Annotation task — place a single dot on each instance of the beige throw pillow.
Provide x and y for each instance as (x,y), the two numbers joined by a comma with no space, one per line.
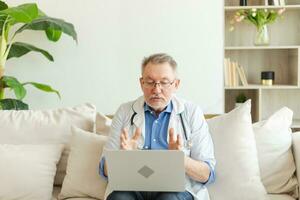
(276,162)
(27,171)
(83,179)
(237,169)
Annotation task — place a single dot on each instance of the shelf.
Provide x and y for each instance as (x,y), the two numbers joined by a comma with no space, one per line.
(259,47)
(257,86)
(234,8)
(282,56)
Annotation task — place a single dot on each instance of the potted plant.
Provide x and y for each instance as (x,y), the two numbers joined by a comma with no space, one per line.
(25,17)
(240,99)
(259,18)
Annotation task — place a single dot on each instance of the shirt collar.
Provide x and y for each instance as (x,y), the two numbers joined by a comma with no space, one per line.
(168,109)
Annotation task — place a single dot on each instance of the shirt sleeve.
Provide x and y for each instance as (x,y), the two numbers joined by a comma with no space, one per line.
(101,169)
(202,145)
(212,175)
(113,141)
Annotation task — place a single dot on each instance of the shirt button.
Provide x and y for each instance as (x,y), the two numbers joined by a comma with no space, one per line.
(154,140)
(156,121)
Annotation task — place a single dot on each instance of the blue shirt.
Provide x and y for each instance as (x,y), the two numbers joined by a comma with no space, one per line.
(156,134)
(156,128)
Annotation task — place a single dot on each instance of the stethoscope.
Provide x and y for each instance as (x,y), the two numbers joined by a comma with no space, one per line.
(188,144)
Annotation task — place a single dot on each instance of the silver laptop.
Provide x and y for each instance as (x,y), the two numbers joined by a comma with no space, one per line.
(146,170)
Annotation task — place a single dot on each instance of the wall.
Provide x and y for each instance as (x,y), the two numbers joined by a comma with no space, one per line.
(113,37)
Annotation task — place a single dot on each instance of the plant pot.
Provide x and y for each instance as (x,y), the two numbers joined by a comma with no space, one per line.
(237,104)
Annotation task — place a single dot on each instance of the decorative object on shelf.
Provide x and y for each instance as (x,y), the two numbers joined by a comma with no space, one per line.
(240,99)
(262,36)
(267,78)
(13,21)
(269,2)
(259,18)
(243,2)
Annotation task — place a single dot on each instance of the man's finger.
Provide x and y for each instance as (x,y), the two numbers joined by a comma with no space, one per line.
(171,135)
(122,137)
(179,140)
(123,145)
(137,134)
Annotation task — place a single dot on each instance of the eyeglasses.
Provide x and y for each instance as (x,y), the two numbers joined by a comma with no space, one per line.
(162,85)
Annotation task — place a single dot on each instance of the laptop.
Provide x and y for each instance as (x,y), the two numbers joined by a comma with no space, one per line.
(146,170)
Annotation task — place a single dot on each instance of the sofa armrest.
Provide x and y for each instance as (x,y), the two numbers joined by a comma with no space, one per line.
(296,152)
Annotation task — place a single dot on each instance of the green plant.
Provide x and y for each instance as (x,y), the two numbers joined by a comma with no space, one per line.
(240,98)
(258,17)
(25,17)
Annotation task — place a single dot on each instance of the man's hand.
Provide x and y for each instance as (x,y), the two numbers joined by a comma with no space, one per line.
(175,143)
(129,144)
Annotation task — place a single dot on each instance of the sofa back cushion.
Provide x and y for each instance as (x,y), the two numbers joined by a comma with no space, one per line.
(237,169)
(46,127)
(276,162)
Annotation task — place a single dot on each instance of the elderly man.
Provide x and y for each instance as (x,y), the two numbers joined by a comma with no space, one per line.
(160,120)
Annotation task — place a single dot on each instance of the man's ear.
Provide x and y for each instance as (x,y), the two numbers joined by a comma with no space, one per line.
(141,82)
(177,83)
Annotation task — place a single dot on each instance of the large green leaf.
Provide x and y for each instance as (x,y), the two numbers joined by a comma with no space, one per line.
(15,85)
(13,104)
(24,13)
(19,49)
(45,23)
(53,34)
(3,5)
(43,87)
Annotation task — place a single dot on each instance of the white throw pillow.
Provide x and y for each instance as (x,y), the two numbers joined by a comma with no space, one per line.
(277,166)
(46,127)
(27,171)
(237,169)
(83,179)
(103,124)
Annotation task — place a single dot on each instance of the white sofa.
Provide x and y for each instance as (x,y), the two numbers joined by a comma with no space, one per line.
(296,153)
(88,113)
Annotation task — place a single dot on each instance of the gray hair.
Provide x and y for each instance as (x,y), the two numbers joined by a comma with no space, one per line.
(159,58)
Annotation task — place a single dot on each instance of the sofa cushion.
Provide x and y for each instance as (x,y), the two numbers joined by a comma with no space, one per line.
(27,171)
(277,166)
(237,168)
(83,179)
(46,127)
(280,197)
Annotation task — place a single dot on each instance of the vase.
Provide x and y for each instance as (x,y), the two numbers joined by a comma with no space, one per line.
(262,36)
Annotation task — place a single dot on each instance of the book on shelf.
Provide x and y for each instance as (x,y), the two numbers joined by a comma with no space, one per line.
(276,2)
(242,75)
(282,2)
(234,74)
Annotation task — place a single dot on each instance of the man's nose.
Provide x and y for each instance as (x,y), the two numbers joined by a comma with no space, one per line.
(157,88)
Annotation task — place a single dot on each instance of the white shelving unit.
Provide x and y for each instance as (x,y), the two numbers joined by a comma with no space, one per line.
(282,56)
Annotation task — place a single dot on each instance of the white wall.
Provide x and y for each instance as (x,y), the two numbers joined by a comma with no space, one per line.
(113,37)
